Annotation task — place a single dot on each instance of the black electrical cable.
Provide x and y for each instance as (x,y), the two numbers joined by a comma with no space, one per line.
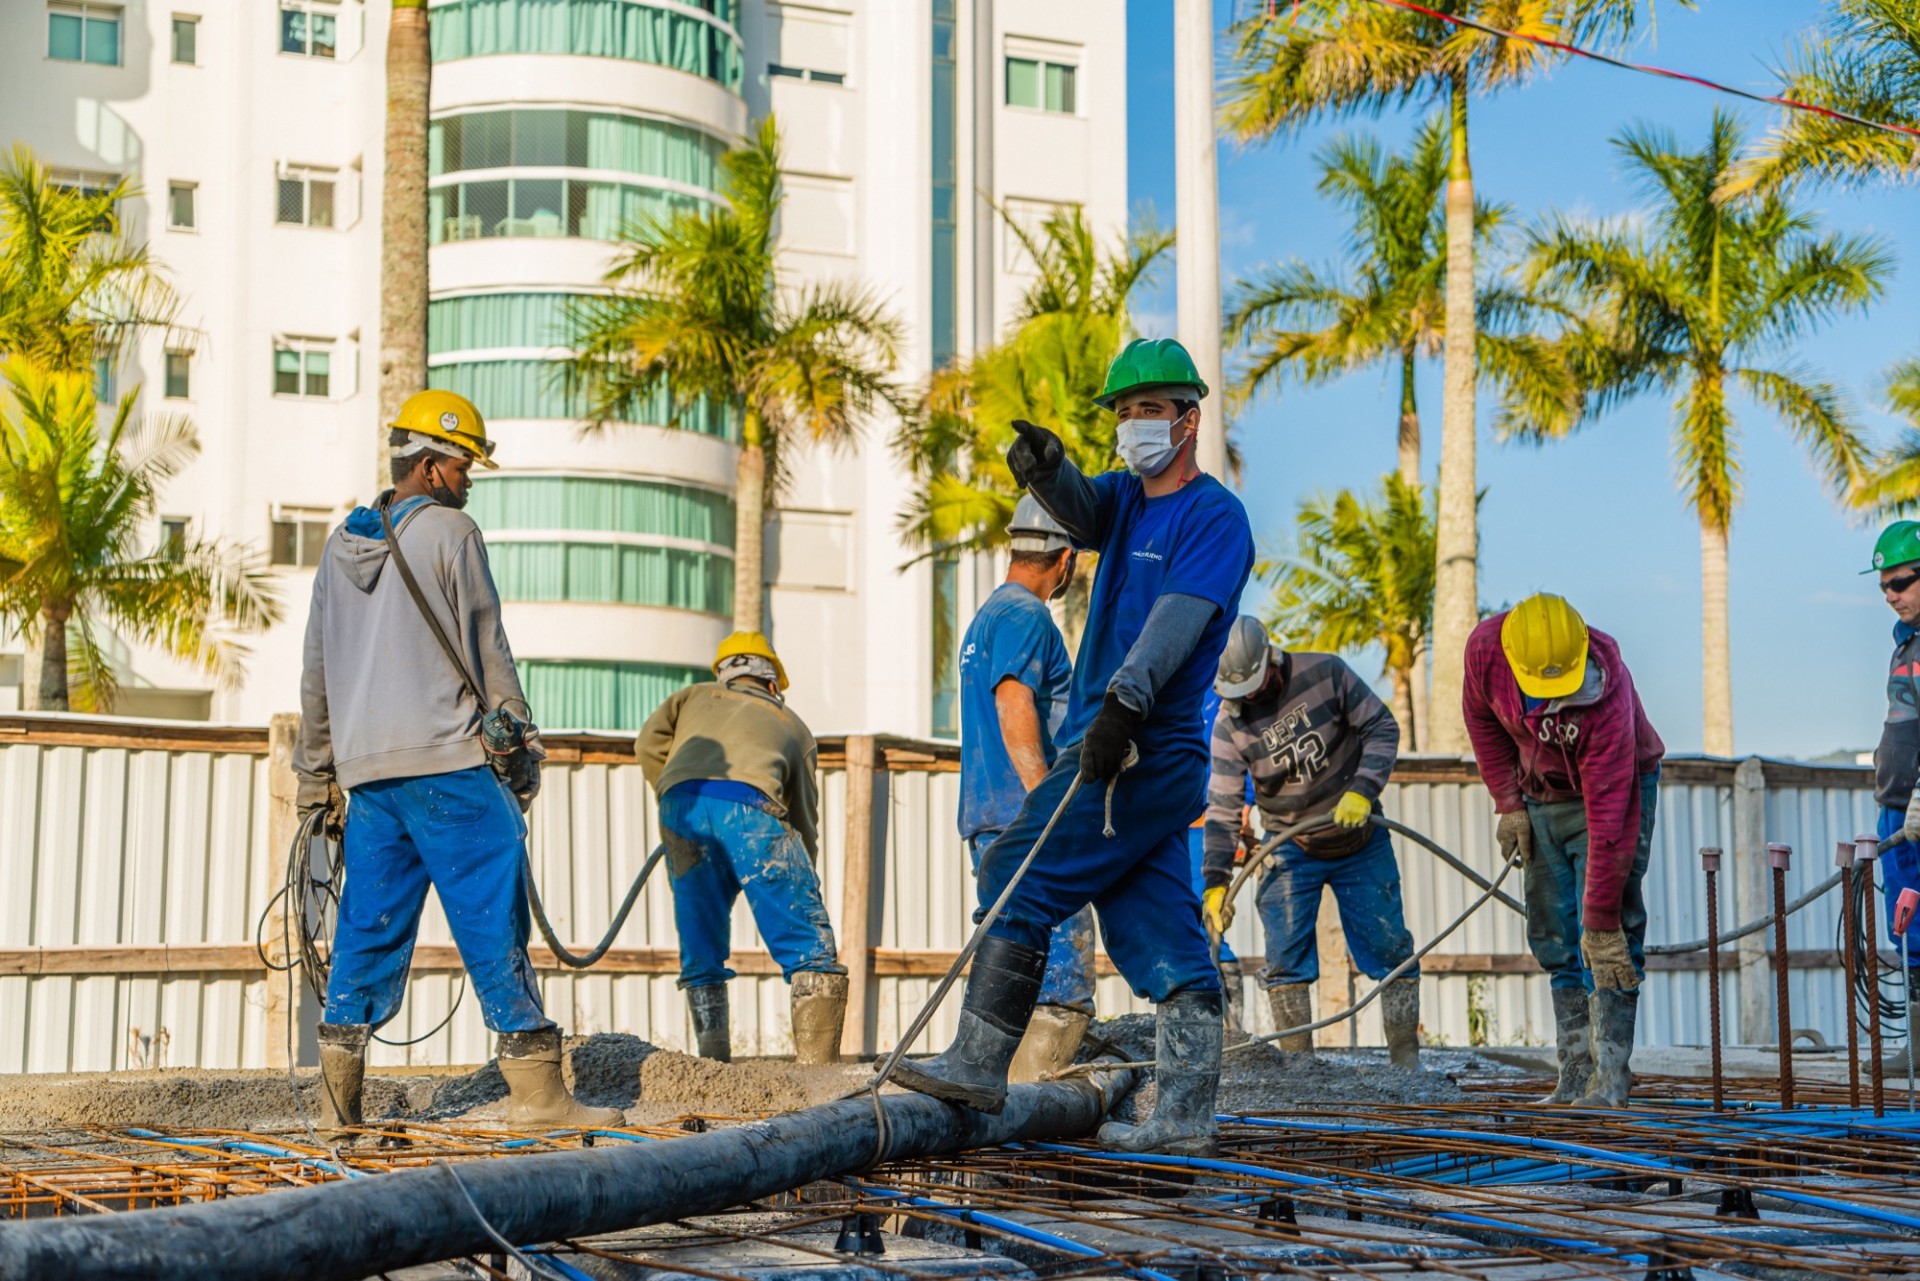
(1871,979)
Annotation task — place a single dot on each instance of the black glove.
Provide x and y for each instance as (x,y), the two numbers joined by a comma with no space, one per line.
(1103,751)
(1035,455)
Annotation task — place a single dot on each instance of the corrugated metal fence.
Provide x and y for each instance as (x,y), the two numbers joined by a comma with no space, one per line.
(137,860)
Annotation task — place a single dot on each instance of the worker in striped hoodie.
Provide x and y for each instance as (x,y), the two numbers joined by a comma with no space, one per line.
(1316,741)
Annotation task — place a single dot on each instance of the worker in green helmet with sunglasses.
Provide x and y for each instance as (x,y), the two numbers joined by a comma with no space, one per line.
(1896,762)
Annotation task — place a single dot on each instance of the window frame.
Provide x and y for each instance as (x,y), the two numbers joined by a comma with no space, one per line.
(185,359)
(190,22)
(305,348)
(192,191)
(328,8)
(87,12)
(303,522)
(1044,67)
(175,533)
(308,176)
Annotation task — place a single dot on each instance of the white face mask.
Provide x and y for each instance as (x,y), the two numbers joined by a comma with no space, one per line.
(1143,445)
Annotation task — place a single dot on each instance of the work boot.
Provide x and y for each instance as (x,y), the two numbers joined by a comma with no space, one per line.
(1052,1039)
(1001,990)
(1613,1015)
(1292,1007)
(1400,1015)
(1186,1074)
(536,1095)
(819,1013)
(712,1032)
(1236,1002)
(1573,1039)
(343,1069)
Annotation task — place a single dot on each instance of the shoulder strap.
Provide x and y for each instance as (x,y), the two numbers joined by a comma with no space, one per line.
(420,600)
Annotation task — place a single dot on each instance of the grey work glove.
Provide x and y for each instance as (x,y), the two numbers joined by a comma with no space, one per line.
(1515,835)
(323,794)
(1910,829)
(1605,952)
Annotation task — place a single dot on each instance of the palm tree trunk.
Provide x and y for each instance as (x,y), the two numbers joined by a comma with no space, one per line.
(403,221)
(1456,605)
(49,687)
(1403,709)
(750,527)
(1409,423)
(1716,647)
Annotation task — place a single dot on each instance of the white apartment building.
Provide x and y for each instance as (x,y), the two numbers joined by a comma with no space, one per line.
(254,130)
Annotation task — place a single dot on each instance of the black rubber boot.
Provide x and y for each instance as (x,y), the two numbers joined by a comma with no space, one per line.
(1614,1015)
(712,1028)
(1573,1038)
(343,1069)
(1190,1027)
(1001,991)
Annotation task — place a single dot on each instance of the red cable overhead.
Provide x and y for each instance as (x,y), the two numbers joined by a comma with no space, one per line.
(1648,70)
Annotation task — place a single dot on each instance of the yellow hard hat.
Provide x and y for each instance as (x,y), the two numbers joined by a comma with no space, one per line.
(1546,643)
(447,416)
(750,643)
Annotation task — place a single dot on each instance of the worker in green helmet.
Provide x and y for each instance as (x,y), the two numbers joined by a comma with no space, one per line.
(1896,761)
(1175,552)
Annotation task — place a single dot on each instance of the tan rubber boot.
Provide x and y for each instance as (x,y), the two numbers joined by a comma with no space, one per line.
(536,1094)
(819,1014)
(1400,1015)
(1292,1007)
(1052,1039)
(343,1070)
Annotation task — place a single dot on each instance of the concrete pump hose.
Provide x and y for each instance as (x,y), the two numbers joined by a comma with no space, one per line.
(567,958)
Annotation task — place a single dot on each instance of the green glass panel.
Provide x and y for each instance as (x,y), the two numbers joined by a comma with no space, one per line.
(64,36)
(609,504)
(1059,88)
(604,696)
(538,389)
(946,637)
(624,29)
(1023,82)
(613,574)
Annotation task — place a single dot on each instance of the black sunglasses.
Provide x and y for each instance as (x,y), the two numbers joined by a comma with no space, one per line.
(1900,584)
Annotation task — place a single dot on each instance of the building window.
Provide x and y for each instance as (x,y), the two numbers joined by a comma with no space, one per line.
(302,367)
(103,376)
(306,197)
(945,283)
(665,34)
(803,73)
(596,695)
(309,29)
(180,206)
(945,721)
(562,138)
(173,538)
(186,41)
(548,207)
(84,33)
(298,536)
(179,369)
(1043,86)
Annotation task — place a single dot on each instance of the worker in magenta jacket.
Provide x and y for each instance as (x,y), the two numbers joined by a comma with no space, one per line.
(1574,768)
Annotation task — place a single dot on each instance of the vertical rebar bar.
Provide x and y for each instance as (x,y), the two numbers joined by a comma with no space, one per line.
(1778,857)
(1710,860)
(1849,935)
(1865,850)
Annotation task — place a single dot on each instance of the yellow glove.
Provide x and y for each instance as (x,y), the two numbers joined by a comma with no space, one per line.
(1353,810)
(1214,910)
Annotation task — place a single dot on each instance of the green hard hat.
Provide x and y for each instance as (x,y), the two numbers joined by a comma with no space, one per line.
(1149,362)
(1899,543)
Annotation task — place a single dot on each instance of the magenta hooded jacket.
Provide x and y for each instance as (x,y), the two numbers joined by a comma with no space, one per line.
(1593,746)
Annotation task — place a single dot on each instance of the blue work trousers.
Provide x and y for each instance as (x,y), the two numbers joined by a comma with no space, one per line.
(1069,977)
(1899,870)
(1366,888)
(462,834)
(718,849)
(1139,880)
(1197,856)
(1556,883)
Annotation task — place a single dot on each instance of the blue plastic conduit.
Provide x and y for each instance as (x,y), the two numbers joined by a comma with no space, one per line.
(221,1143)
(980,1218)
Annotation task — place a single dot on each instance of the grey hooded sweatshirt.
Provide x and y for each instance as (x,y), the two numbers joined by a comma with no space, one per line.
(378,697)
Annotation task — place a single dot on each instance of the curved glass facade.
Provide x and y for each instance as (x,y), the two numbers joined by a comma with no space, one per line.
(543,208)
(609,504)
(482,321)
(613,574)
(539,389)
(666,36)
(595,695)
(566,138)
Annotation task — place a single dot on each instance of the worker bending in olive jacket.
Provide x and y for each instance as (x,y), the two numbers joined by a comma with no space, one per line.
(734,770)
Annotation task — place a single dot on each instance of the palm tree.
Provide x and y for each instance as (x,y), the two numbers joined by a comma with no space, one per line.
(1362,573)
(1319,58)
(403,220)
(74,283)
(1385,302)
(75,500)
(699,310)
(1708,295)
(1892,485)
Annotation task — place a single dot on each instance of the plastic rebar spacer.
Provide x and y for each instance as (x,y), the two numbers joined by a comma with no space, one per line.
(1779,855)
(1904,908)
(1710,856)
(1866,847)
(1843,854)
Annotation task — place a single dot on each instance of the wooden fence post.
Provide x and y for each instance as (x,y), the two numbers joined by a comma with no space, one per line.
(858,897)
(1336,978)
(1752,899)
(283,819)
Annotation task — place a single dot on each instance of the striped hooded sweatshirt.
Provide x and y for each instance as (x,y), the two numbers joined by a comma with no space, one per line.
(1322,734)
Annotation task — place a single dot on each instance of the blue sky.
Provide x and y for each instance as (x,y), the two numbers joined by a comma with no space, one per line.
(1596,518)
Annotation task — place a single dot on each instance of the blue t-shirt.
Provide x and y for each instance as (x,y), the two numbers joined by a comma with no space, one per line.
(1193,542)
(1012,636)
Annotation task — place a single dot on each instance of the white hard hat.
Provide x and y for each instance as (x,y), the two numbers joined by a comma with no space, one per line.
(1243,663)
(1034,529)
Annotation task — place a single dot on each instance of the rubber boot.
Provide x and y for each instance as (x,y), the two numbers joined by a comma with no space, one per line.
(1236,1002)
(1053,1038)
(536,1094)
(1190,1027)
(343,1070)
(712,1030)
(1292,1007)
(1001,992)
(1613,1016)
(1400,1015)
(1573,1038)
(819,1014)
